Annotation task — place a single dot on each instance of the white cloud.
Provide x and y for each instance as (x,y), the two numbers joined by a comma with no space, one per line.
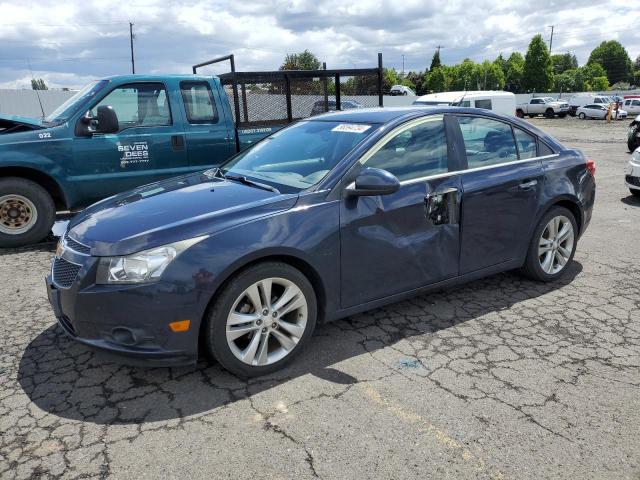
(68,43)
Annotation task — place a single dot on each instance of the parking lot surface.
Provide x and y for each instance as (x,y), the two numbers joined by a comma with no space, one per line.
(500,378)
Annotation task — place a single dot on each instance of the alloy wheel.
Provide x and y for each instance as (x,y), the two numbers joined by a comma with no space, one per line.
(556,245)
(18,214)
(267,321)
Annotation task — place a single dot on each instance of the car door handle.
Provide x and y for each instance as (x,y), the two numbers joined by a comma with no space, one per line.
(528,185)
(177,142)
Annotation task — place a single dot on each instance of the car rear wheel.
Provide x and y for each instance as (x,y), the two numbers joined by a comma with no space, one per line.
(27,212)
(582,116)
(262,319)
(553,245)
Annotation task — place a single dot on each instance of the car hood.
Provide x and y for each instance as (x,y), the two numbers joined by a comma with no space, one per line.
(11,121)
(172,210)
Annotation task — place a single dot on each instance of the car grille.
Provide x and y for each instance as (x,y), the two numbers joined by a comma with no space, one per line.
(632,180)
(76,246)
(64,272)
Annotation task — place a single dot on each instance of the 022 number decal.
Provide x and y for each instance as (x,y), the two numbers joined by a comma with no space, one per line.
(45,135)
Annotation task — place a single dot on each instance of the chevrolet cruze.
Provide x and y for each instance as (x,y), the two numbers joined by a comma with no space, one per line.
(331,216)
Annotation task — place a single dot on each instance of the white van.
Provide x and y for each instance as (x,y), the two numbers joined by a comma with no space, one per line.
(498,101)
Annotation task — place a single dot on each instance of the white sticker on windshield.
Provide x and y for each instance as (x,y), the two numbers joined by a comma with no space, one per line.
(351,128)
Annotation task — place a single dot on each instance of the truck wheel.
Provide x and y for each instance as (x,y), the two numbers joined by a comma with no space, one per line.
(27,212)
(549,113)
(519,113)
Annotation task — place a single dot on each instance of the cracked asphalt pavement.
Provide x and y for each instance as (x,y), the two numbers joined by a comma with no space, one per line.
(500,378)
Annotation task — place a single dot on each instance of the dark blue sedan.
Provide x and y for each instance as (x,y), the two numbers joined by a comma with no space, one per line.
(329,217)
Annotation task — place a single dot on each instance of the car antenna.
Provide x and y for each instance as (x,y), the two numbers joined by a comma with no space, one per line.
(37,92)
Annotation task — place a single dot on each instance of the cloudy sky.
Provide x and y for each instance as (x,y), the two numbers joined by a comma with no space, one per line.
(71,42)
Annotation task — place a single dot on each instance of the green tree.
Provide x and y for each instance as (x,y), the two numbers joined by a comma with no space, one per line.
(416,79)
(436,80)
(563,62)
(502,63)
(615,60)
(300,61)
(435,61)
(38,84)
(636,65)
(515,70)
(599,83)
(565,81)
(488,76)
(462,76)
(538,69)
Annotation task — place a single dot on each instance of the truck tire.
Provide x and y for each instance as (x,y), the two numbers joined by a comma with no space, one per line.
(519,113)
(27,212)
(549,113)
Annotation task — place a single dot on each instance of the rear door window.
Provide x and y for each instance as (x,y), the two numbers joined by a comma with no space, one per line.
(487,142)
(526,144)
(198,102)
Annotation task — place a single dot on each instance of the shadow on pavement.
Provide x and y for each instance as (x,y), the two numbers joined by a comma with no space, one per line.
(66,379)
(631,200)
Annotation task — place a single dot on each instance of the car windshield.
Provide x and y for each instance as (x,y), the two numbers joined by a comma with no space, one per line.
(68,108)
(299,156)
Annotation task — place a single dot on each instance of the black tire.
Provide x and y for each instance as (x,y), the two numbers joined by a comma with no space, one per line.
(635,193)
(633,141)
(532,267)
(549,113)
(44,207)
(519,113)
(215,328)
(562,115)
(582,116)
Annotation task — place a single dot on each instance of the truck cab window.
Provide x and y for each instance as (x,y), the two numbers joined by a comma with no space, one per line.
(198,102)
(139,105)
(484,103)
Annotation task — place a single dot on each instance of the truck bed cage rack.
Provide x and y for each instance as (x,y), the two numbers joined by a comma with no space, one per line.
(259,98)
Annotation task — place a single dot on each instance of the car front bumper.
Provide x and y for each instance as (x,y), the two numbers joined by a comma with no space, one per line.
(632,172)
(128,325)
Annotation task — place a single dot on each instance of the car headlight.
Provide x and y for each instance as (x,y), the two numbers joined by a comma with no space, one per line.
(142,267)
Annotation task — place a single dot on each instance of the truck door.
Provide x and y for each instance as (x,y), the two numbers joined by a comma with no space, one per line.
(209,141)
(147,147)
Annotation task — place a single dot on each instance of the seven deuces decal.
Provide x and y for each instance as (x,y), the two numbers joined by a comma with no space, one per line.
(133,154)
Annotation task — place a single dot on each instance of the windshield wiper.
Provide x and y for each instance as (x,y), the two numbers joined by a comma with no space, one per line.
(215,172)
(244,180)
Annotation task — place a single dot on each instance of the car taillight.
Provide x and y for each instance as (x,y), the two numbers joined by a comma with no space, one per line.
(591,168)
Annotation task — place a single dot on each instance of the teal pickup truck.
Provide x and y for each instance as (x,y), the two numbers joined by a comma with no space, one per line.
(124,131)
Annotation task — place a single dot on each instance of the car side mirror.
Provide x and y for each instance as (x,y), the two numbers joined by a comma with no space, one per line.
(373,181)
(107,120)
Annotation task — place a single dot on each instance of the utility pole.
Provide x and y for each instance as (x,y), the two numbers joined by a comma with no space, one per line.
(133,62)
(551,39)
(403,65)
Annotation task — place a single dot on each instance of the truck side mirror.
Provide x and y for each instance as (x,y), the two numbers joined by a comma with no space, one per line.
(107,120)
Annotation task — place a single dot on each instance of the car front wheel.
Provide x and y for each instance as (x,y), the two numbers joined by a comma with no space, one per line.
(553,245)
(262,319)
(582,116)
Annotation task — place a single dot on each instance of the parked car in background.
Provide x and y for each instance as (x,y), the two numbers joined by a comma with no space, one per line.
(599,111)
(330,106)
(496,101)
(633,134)
(632,105)
(547,106)
(401,90)
(632,173)
(334,215)
(581,100)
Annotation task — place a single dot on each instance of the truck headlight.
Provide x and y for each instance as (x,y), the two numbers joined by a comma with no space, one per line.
(142,267)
